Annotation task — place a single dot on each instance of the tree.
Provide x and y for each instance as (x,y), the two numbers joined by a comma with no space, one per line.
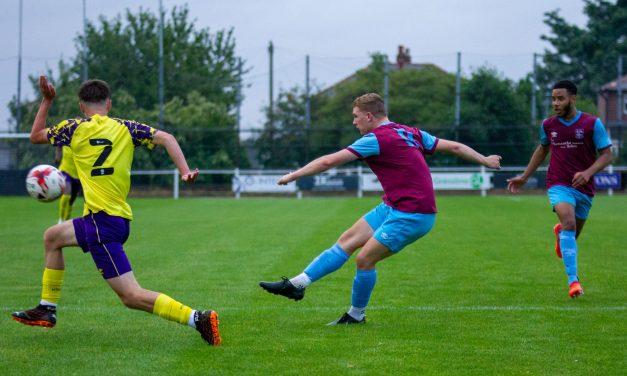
(588,55)
(495,116)
(201,77)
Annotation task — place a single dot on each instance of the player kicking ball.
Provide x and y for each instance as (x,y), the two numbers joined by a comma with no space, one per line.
(103,152)
(396,154)
(579,148)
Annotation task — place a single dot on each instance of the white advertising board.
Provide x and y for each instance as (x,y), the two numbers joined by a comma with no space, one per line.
(442,181)
(260,184)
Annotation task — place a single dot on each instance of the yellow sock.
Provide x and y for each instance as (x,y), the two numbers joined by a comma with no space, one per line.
(65,210)
(172,310)
(51,285)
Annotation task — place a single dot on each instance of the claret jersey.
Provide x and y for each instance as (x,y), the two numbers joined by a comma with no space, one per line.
(574,146)
(103,150)
(395,153)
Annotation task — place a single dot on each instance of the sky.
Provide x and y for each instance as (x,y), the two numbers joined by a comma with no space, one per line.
(337,35)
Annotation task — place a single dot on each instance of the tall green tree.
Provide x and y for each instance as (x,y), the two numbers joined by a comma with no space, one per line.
(588,56)
(201,78)
(495,116)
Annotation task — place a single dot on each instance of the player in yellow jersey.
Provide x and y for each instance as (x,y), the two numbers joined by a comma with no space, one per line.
(63,156)
(103,151)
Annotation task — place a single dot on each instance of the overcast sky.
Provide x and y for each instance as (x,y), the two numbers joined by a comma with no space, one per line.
(338,35)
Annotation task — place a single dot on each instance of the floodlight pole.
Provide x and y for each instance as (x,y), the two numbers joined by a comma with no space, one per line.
(271,84)
(160,63)
(307,108)
(534,79)
(238,118)
(18,117)
(620,105)
(386,74)
(85,68)
(458,95)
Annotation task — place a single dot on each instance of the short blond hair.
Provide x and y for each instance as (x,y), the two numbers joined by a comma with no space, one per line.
(372,103)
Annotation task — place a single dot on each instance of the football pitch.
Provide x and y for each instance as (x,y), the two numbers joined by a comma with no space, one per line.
(482,294)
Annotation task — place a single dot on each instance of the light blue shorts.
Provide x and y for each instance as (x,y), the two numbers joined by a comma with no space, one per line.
(581,201)
(396,229)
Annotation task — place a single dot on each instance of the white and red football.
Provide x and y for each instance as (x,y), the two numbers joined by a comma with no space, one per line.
(45,183)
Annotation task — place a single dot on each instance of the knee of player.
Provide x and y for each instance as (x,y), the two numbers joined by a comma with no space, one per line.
(51,238)
(363,262)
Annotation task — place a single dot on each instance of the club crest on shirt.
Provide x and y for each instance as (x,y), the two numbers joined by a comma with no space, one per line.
(579,133)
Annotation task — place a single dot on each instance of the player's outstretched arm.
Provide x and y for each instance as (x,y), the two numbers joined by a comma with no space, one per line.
(176,154)
(468,153)
(319,165)
(38,133)
(514,184)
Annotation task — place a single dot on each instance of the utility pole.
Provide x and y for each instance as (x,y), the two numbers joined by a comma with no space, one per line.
(458,79)
(238,119)
(161,64)
(307,109)
(620,104)
(18,117)
(533,91)
(386,74)
(85,68)
(271,84)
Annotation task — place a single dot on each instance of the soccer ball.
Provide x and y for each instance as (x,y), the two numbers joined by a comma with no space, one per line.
(45,183)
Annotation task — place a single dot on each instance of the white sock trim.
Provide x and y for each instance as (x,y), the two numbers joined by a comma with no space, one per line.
(191,321)
(357,313)
(45,302)
(301,281)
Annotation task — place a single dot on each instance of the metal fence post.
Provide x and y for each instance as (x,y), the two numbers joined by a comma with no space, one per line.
(175,184)
(237,183)
(484,192)
(360,191)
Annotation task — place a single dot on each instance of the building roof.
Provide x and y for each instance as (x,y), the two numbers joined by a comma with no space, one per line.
(612,85)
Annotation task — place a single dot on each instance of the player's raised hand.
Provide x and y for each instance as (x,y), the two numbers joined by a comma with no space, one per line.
(190,177)
(494,161)
(46,88)
(514,184)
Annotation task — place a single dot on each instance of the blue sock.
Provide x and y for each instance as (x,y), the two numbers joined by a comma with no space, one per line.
(568,244)
(327,262)
(363,284)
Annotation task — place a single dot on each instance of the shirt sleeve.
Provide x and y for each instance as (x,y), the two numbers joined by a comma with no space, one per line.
(599,136)
(544,141)
(61,134)
(428,141)
(141,134)
(365,147)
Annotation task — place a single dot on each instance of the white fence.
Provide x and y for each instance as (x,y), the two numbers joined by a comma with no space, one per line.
(352,179)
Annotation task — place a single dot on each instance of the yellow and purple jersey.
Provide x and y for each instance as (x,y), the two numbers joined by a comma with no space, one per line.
(103,150)
(67,163)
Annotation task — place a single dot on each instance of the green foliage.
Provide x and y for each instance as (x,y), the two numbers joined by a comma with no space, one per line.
(470,298)
(494,116)
(284,139)
(494,119)
(587,55)
(201,79)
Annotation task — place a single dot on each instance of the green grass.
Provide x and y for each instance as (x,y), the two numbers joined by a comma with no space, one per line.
(482,294)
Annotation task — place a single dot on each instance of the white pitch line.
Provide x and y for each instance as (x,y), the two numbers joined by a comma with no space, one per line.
(296,308)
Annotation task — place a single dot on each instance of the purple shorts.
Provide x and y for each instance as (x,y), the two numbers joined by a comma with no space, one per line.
(72,186)
(103,236)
